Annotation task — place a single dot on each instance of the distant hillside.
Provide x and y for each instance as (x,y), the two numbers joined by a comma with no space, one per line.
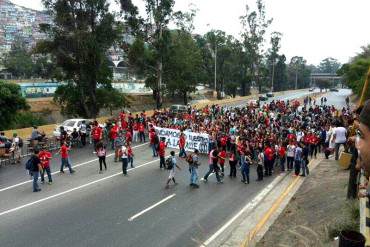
(18,21)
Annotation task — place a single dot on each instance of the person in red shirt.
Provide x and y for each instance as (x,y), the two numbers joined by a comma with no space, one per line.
(113,134)
(161,151)
(314,141)
(97,134)
(128,136)
(45,157)
(130,155)
(282,156)
(269,159)
(222,158)
(142,132)
(182,141)
(135,128)
(65,158)
(153,141)
(223,142)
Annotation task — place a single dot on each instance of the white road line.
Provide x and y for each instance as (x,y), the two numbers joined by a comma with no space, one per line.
(73,189)
(256,200)
(65,169)
(151,207)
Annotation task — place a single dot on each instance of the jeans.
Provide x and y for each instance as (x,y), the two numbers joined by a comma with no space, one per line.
(337,146)
(213,168)
(142,136)
(48,172)
(268,167)
(245,172)
(313,150)
(101,162)
(282,164)
(162,162)
(35,179)
(124,165)
(135,136)
(290,161)
(182,152)
(193,175)
(297,166)
(154,149)
(232,168)
(304,168)
(65,162)
(130,160)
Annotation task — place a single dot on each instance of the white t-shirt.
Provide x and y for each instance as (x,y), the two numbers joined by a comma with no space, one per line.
(340,135)
(124,152)
(290,150)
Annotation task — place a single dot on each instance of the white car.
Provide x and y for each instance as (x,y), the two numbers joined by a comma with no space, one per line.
(69,125)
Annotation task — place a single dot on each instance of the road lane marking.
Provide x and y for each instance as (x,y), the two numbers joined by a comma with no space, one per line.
(151,207)
(257,199)
(65,169)
(73,189)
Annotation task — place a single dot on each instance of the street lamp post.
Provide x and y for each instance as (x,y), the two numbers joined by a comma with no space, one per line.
(273,73)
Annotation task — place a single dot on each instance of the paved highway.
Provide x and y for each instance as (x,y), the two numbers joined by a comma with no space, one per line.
(91,209)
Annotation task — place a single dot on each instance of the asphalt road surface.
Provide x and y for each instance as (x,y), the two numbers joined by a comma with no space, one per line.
(91,209)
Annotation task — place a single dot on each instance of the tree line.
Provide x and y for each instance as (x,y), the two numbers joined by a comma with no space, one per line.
(173,61)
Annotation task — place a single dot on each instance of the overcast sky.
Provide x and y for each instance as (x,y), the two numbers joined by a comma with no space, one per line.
(314,29)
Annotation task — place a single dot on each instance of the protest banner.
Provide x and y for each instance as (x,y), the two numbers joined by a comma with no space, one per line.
(193,140)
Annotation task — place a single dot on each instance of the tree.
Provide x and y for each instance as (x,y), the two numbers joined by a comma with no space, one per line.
(273,54)
(354,74)
(281,77)
(254,25)
(11,102)
(298,72)
(18,61)
(79,38)
(182,68)
(152,38)
(329,65)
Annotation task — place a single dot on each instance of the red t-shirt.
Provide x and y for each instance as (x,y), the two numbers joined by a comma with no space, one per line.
(161,149)
(135,127)
(223,141)
(151,137)
(64,151)
(141,127)
(114,132)
(128,136)
(130,153)
(282,151)
(269,153)
(182,142)
(45,157)
(97,132)
(222,157)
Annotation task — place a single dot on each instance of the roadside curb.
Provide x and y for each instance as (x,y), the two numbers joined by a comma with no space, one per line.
(255,218)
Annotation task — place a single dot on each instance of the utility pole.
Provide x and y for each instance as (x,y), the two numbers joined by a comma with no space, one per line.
(215,67)
(273,73)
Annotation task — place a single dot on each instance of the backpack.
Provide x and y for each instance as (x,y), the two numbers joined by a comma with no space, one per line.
(189,159)
(29,163)
(20,143)
(169,163)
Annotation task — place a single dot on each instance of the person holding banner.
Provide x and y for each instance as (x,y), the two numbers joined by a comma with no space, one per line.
(182,141)
(161,151)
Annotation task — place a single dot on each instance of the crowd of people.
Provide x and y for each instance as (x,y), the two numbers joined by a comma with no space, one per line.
(280,135)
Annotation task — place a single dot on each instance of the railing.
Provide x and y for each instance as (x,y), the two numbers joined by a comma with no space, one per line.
(364,213)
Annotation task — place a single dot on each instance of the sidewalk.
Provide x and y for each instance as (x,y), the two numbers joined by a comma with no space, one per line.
(317,212)
(299,211)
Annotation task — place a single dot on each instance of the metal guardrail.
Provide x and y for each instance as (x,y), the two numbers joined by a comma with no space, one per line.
(51,144)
